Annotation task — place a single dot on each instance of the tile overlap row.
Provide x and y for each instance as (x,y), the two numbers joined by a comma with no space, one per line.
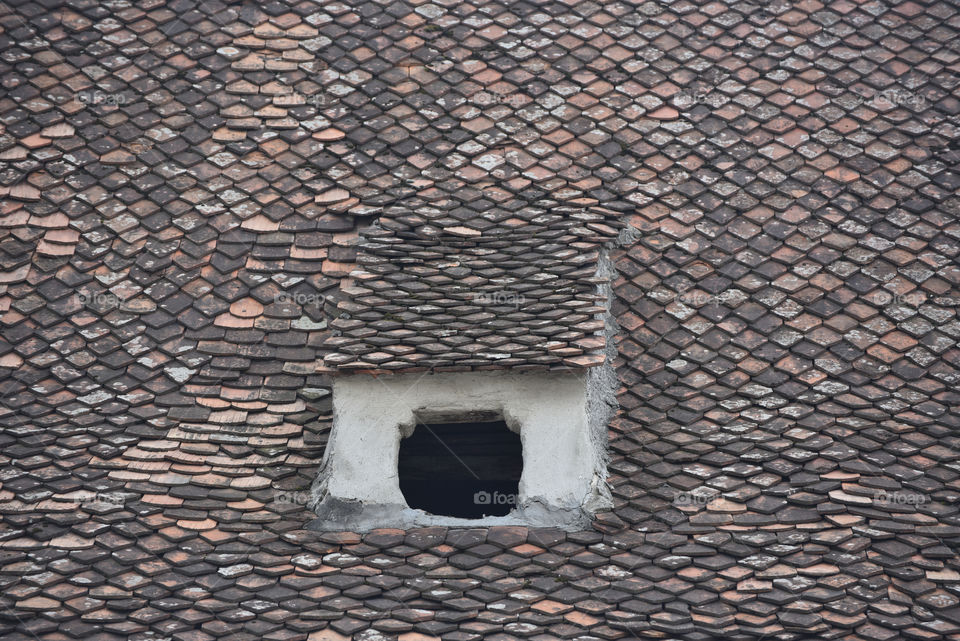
(204,206)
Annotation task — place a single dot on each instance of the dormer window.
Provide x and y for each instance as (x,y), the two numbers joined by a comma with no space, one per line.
(472,378)
(465,448)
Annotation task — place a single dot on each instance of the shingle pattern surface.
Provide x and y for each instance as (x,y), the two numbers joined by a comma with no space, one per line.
(431,292)
(184,189)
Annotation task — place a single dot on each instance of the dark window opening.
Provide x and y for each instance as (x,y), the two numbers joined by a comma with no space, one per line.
(462,470)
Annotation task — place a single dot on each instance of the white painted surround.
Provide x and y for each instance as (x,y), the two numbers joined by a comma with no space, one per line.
(561,419)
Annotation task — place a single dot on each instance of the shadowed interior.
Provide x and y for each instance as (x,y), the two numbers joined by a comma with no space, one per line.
(462,470)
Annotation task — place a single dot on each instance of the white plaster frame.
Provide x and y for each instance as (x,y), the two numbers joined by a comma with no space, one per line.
(561,418)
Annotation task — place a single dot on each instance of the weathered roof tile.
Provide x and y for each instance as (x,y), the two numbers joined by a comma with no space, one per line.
(190,195)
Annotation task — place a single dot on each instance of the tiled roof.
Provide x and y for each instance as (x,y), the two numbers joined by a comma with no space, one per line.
(473,287)
(184,190)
